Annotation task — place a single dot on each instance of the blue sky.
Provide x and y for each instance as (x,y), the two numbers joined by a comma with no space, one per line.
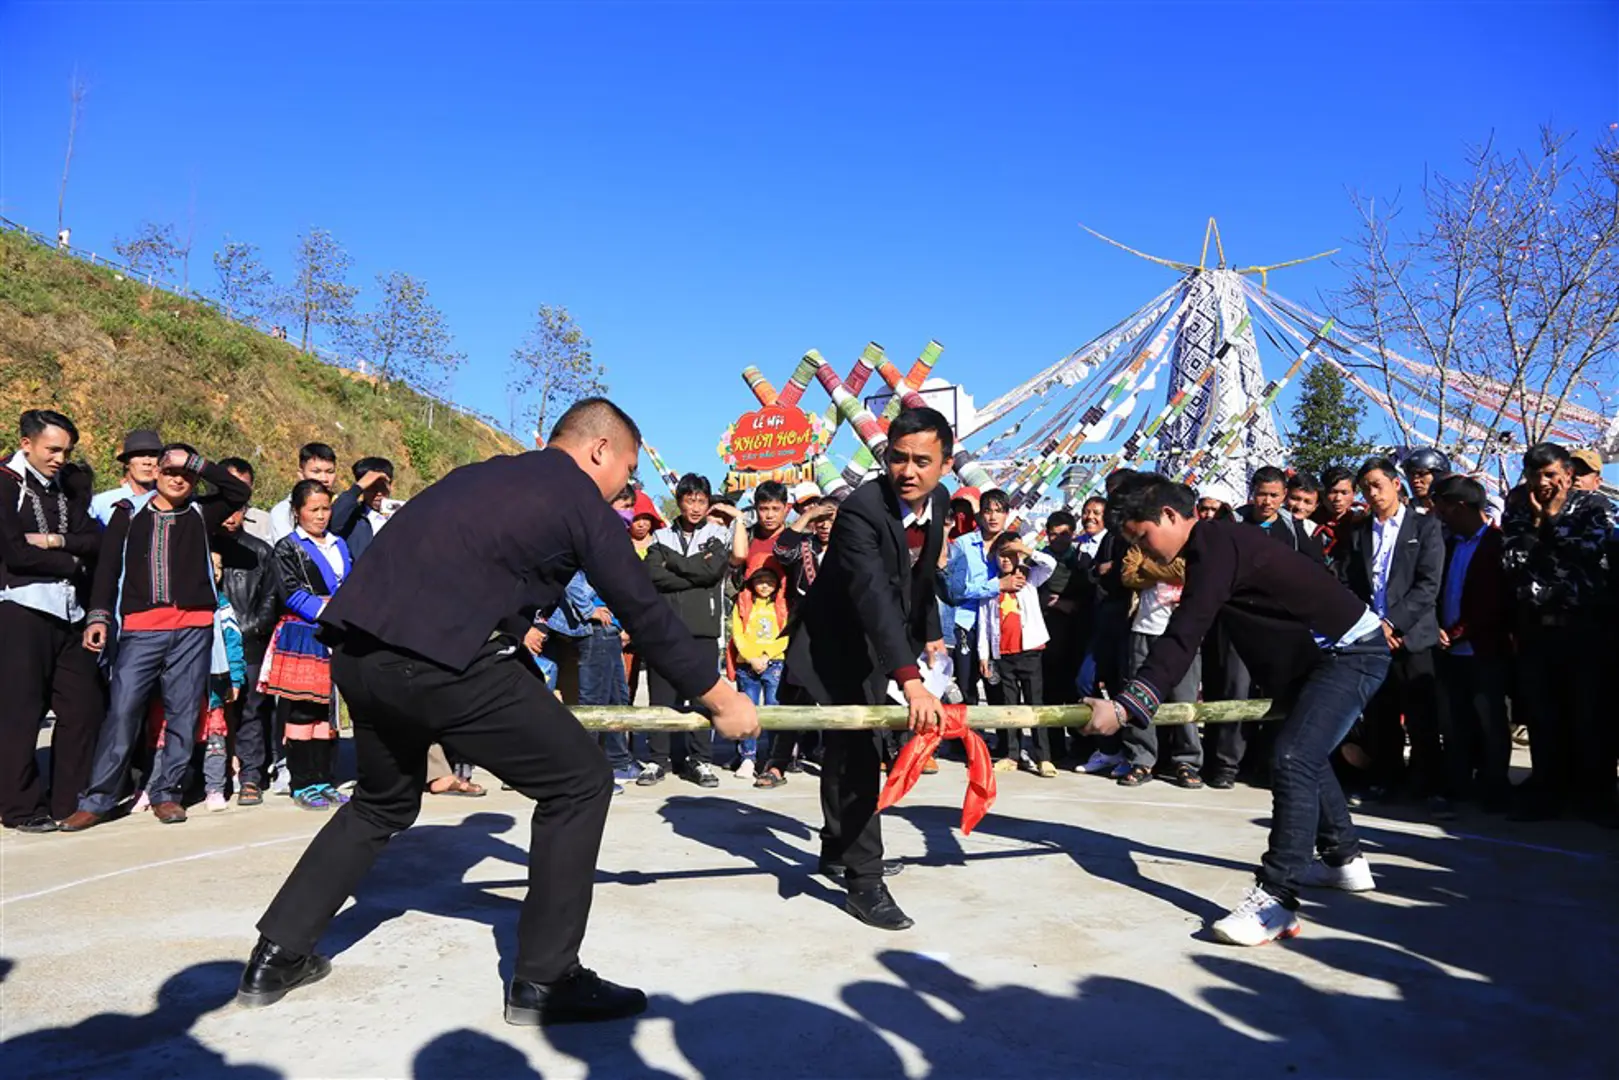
(707,186)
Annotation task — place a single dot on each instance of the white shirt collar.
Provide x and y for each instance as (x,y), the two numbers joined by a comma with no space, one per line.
(20,464)
(319,541)
(1395,522)
(909,517)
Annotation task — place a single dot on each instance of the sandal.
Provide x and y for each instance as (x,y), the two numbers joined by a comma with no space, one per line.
(770,778)
(465,789)
(249,795)
(1184,776)
(1138,775)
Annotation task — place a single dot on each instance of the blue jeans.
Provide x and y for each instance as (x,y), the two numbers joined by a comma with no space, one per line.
(1308,812)
(602,682)
(174,663)
(761,690)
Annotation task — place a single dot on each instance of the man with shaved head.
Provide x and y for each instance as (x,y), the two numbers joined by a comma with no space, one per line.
(427,636)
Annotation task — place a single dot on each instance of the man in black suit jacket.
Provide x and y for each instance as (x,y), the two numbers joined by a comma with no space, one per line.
(352,510)
(1396,563)
(427,634)
(867,620)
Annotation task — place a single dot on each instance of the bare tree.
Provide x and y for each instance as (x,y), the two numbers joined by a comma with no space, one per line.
(76,91)
(245,286)
(319,295)
(150,252)
(191,235)
(1496,319)
(405,338)
(553,367)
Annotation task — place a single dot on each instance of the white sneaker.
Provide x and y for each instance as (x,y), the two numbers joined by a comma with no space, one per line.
(1353,876)
(143,803)
(280,779)
(745,770)
(1258,920)
(1100,763)
(216,801)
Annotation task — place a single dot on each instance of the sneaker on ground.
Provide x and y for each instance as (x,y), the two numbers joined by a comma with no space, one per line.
(627,775)
(216,801)
(745,771)
(1353,876)
(1006,764)
(1100,763)
(143,803)
(280,783)
(1046,769)
(652,774)
(1258,920)
(311,798)
(702,774)
(333,795)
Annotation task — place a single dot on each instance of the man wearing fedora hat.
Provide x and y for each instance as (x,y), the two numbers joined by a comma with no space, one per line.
(139,456)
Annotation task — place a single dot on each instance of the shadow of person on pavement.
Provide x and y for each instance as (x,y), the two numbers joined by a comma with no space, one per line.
(464,1052)
(1111,858)
(154,1043)
(754,835)
(748,1034)
(424,869)
(966,1029)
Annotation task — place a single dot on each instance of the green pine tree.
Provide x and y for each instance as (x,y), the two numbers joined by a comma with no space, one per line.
(1326,422)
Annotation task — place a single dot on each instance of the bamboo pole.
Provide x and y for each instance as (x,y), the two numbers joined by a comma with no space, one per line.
(861,717)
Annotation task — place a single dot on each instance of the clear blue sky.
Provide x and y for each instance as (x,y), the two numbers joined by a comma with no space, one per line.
(707,186)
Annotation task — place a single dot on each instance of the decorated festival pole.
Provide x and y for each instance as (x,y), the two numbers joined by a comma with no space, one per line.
(863,717)
(905,395)
(799,380)
(1226,444)
(1140,446)
(670,478)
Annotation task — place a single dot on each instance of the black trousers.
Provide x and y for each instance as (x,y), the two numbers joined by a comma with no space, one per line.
(498,714)
(660,744)
(850,777)
(1473,725)
(1572,743)
(1022,683)
(1225,678)
(1411,691)
(44,666)
(250,718)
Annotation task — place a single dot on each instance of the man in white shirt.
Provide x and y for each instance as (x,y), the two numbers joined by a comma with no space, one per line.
(139,456)
(316,461)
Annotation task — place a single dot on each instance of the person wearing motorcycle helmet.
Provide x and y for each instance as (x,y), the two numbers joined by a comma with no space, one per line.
(1422,467)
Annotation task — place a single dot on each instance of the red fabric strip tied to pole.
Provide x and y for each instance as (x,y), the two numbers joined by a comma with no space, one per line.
(907,768)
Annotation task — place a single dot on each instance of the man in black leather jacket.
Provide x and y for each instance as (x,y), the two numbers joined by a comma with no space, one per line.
(249,581)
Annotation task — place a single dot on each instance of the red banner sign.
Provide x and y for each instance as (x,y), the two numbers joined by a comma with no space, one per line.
(772,437)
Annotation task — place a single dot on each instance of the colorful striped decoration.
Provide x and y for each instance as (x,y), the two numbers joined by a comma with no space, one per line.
(798,382)
(759,385)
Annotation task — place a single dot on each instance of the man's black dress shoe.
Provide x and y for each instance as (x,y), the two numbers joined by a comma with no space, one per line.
(874,906)
(579,997)
(840,873)
(272,971)
(39,823)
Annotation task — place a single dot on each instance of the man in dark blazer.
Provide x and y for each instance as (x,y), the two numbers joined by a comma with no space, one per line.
(1475,647)
(427,636)
(356,513)
(1395,563)
(866,622)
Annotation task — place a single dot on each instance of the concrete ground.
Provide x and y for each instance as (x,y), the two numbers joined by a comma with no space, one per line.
(1063,938)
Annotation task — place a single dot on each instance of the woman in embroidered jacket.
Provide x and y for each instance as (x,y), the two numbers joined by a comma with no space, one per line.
(310,565)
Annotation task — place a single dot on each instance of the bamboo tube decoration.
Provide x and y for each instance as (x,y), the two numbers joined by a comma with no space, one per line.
(871,358)
(849,406)
(670,479)
(828,479)
(759,385)
(970,473)
(799,380)
(864,717)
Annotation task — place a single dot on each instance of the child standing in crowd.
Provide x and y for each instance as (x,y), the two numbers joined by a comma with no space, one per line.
(310,565)
(1011,638)
(757,645)
(227,675)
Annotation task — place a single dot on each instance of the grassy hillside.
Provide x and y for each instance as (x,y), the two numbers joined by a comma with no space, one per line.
(114,355)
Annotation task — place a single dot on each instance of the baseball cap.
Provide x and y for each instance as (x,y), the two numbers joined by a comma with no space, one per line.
(802,493)
(1587,457)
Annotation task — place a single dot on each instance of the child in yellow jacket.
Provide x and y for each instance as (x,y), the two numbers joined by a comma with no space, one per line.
(757,644)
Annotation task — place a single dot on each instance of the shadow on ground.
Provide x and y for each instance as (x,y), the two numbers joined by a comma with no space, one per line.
(1497,961)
